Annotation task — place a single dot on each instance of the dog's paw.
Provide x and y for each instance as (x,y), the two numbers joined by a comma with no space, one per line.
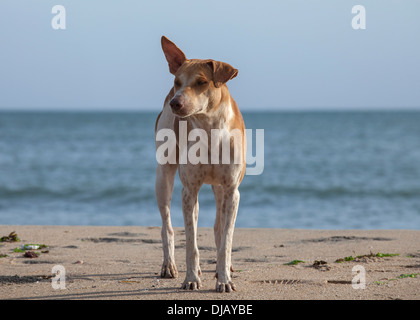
(192,281)
(169,270)
(231,270)
(225,287)
(191,285)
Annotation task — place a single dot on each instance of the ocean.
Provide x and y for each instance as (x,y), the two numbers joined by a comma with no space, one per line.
(322,170)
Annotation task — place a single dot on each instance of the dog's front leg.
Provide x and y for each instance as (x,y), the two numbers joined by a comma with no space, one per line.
(190,209)
(165,175)
(230,208)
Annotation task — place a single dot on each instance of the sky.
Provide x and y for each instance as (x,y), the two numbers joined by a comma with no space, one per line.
(291,54)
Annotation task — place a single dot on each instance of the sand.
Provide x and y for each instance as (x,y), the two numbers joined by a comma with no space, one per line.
(124,263)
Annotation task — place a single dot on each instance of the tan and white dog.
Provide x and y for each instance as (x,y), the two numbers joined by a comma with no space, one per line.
(200,99)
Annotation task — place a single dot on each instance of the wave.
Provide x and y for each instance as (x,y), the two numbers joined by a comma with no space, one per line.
(30,191)
(141,193)
(334,191)
(82,194)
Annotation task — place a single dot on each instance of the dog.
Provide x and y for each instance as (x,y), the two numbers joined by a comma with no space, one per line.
(200,99)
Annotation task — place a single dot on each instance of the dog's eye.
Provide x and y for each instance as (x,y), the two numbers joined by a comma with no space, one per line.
(177,83)
(201,82)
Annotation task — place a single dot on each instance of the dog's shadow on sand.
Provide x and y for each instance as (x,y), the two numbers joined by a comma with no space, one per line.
(131,279)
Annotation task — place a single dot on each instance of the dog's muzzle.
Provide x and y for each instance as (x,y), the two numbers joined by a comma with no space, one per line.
(177,103)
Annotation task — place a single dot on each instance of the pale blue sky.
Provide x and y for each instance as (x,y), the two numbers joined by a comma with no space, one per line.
(291,54)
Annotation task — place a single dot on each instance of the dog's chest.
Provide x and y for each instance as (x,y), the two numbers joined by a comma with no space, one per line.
(195,175)
(207,153)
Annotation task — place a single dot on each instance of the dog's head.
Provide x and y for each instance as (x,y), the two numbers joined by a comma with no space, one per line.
(198,83)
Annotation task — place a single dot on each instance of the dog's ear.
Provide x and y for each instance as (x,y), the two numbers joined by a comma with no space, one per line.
(222,72)
(173,54)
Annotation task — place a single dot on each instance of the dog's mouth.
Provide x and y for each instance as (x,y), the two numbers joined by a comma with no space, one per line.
(181,114)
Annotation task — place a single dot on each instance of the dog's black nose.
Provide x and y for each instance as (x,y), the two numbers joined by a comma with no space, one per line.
(177,103)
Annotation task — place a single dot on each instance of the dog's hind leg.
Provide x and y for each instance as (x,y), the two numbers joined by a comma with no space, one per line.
(190,209)
(224,262)
(219,222)
(165,176)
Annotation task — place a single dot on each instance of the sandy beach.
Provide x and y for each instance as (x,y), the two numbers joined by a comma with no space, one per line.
(124,263)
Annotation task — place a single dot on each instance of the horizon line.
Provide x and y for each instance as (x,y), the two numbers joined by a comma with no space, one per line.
(245,110)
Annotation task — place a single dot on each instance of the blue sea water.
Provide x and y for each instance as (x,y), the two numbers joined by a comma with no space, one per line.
(322,170)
